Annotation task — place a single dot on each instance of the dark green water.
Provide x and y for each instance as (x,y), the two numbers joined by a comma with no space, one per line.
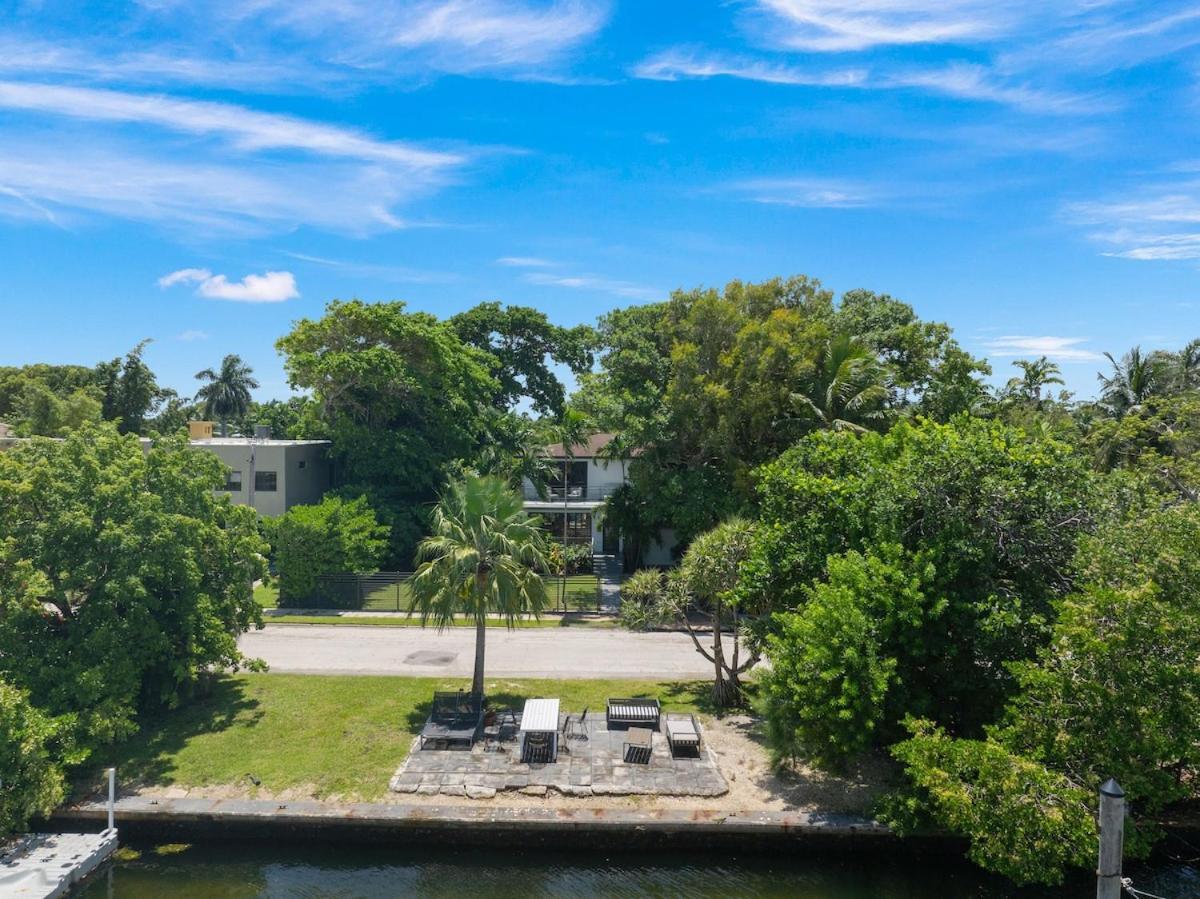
(241,871)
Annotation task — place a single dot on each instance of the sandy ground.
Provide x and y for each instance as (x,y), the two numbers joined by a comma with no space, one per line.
(743,760)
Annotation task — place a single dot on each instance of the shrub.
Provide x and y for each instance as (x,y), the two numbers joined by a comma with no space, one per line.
(336,536)
(31,781)
(642,596)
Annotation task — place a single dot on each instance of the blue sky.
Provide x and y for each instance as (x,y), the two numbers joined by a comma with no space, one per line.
(206,172)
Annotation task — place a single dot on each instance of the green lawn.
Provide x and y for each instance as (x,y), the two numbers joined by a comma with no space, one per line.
(582,594)
(329,735)
(394,621)
(267,595)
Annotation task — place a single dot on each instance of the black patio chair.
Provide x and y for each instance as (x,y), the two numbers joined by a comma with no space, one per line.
(578,730)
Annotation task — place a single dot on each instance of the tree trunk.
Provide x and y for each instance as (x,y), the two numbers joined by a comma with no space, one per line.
(480,644)
(718,657)
(223,434)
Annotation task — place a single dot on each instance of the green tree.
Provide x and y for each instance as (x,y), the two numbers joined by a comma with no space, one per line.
(993,512)
(1133,380)
(1113,692)
(226,393)
(1036,376)
(31,775)
(130,391)
(1023,820)
(403,400)
(482,557)
(846,390)
(524,345)
(123,577)
(335,536)
(708,575)
(846,667)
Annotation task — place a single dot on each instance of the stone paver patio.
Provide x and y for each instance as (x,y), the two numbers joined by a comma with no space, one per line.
(591,767)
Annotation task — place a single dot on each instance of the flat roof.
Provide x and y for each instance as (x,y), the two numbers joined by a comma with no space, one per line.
(246,441)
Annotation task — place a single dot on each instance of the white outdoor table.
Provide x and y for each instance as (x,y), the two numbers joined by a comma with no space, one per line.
(541,717)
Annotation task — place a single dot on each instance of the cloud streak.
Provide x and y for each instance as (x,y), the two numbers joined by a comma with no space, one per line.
(269,287)
(1155,223)
(1057,349)
(626,289)
(812,193)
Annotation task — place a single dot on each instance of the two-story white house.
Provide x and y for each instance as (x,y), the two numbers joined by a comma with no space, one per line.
(590,479)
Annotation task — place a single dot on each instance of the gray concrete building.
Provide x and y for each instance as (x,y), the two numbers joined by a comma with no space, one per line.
(272,475)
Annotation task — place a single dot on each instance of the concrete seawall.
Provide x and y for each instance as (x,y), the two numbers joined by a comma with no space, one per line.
(187,819)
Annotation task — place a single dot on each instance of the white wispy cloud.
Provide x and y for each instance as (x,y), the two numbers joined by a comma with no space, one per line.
(220,165)
(681,62)
(1155,222)
(842,25)
(826,193)
(192,336)
(595,283)
(456,36)
(374,270)
(269,287)
(524,262)
(1057,349)
(959,80)
(247,129)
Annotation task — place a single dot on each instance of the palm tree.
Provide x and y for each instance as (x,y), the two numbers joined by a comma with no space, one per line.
(483,557)
(618,449)
(517,452)
(1036,375)
(227,393)
(1188,365)
(848,387)
(1133,380)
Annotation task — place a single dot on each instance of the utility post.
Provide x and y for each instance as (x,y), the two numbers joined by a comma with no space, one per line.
(1112,839)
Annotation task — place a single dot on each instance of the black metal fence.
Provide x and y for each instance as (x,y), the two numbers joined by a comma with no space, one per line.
(389,591)
(383,591)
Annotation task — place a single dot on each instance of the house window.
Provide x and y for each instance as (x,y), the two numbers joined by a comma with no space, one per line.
(233,482)
(579,526)
(302,464)
(577,479)
(264,481)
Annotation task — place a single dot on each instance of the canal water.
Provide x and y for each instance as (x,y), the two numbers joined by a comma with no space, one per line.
(305,871)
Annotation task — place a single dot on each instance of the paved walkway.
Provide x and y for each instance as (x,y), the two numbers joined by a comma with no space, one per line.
(608,572)
(529,652)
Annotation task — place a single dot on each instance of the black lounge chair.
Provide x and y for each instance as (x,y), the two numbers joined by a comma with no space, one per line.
(454,718)
(683,734)
(623,714)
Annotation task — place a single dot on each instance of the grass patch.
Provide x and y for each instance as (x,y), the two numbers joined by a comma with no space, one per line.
(267,595)
(332,735)
(394,621)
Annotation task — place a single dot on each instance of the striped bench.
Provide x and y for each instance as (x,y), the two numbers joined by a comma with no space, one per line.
(627,713)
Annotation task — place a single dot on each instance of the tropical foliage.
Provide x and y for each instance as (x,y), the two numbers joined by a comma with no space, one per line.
(226,392)
(124,580)
(482,558)
(335,536)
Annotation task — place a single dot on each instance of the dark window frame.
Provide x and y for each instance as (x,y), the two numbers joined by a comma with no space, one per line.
(260,482)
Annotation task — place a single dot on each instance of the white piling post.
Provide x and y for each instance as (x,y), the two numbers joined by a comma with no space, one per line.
(1112,838)
(112,795)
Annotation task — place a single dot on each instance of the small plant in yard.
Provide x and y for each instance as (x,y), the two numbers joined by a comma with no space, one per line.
(642,596)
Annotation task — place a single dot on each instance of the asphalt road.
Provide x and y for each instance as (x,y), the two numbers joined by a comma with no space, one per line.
(531,652)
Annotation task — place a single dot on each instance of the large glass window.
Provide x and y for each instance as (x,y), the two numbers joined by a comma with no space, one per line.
(264,481)
(579,526)
(233,482)
(577,480)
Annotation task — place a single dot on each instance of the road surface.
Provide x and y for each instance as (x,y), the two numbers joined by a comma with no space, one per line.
(529,652)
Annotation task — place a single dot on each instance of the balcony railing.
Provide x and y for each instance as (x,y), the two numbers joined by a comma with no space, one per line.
(572,493)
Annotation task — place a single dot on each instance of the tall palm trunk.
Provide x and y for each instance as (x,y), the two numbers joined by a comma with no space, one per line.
(480,642)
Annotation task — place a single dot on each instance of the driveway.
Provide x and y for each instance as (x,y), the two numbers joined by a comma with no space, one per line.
(531,652)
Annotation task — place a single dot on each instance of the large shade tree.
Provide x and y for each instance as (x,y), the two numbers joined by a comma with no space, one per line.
(482,558)
(226,393)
